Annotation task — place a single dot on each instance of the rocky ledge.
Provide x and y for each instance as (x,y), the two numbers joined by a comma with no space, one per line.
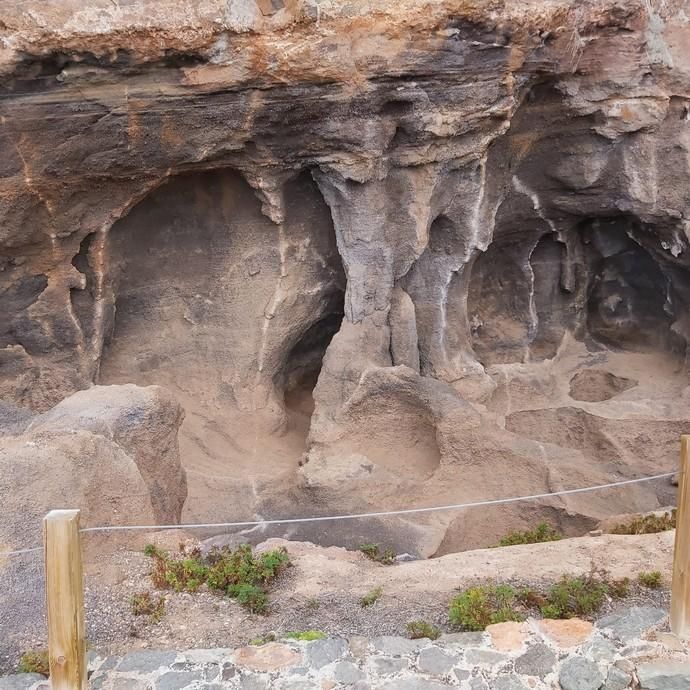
(627,649)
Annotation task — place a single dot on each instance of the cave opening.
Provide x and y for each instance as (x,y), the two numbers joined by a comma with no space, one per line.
(228,310)
(629,302)
(300,373)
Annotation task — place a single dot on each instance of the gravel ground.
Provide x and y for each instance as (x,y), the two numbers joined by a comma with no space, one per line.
(206,620)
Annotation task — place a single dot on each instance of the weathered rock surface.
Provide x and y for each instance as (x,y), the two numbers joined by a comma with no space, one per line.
(112,453)
(436,250)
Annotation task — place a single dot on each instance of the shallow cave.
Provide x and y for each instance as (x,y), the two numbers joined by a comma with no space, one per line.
(297,379)
(629,303)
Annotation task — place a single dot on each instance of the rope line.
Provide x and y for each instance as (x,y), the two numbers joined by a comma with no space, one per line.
(385,513)
(20,551)
(357,516)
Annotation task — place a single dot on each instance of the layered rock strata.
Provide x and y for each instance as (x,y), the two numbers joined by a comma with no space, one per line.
(434,251)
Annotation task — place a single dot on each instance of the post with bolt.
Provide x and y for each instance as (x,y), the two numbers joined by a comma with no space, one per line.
(680,589)
(65,600)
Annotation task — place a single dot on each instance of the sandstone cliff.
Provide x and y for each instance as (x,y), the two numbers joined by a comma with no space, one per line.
(377,237)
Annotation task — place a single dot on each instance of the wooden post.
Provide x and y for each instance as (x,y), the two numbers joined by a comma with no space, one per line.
(65,600)
(680,589)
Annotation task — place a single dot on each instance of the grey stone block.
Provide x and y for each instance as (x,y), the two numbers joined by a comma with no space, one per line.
(320,653)
(177,680)
(538,660)
(509,681)
(632,623)
(664,675)
(436,662)
(347,673)
(413,684)
(253,682)
(145,661)
(486,657)
(388,666)
(397,646)
(617,679)
(578,673)
(20,681)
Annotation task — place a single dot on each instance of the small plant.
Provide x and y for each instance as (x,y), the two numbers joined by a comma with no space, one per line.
(144,604)
(483,605)
(313,604)
(541,533)
(372,551)
(258,641)
(238,573)
(651,579)
(530,598)
(305,635)
(619,589)
(371,597)
(647,524)
(421,629)
(34,661)
(575,596)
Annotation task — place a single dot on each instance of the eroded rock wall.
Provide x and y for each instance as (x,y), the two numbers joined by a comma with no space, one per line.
(433,214)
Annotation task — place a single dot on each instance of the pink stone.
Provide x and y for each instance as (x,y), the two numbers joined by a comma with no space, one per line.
(508,637)
(566,633)
(268,657)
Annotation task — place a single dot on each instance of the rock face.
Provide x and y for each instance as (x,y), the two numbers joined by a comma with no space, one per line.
(410,243)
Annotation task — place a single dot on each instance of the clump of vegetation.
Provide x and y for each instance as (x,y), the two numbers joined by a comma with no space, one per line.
(421,629)
(619,589)
(145,604)
(575,596)
(34,661)
(305,635)
(477,607)
(238,573)
(374,552)
(313,604)
(651,579)
(371,597)
(647,524)
(258,641)
(541,533)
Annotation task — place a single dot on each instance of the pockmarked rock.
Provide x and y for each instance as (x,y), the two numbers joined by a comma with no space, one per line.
(539,660)
(578,673)
(664,675)
(632,623)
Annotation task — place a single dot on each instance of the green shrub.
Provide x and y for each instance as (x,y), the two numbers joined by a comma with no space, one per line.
(619,589)
(34,661)
(372,551)
(421,629)
(541,533)
(647,524)
(305,635)
(258,641)
(574,596)
(238,573)
(483,605)
(651,579)
(144,604)
(371,597)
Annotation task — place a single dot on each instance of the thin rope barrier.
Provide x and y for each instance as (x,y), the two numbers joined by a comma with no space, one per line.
(385,513)
(20,551)
(357,516)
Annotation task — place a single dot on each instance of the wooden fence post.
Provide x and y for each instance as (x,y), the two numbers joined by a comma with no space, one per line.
(680,589)
(65,600)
